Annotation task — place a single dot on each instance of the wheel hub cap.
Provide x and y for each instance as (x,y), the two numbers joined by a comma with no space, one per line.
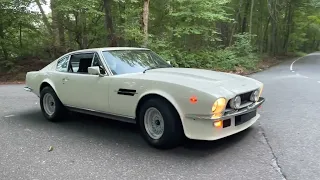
(153,123)
(49,104)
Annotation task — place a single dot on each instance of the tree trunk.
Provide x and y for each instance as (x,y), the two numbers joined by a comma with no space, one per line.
(250,23)
(20,35)
(239,18)
(266,37)
(273,14)
(288,27)
(145,20)
(70,36)
(237,23)
(261,38)
(44,17)
(84,32)
(244,20)
(3,47)
(122,9)
(55,30)
(62,40)
(110,33)
(273,37)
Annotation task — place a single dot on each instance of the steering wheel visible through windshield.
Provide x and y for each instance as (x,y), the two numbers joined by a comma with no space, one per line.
(132,61)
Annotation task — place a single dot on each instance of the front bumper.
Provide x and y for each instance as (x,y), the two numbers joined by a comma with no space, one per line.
(201,126)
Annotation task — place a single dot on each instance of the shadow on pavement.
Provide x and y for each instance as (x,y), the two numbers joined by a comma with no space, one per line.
(116,133)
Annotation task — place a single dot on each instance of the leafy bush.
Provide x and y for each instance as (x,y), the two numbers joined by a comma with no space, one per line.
(240,54)
(242,45)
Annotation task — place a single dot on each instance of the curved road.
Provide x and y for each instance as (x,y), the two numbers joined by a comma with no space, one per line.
(284,144)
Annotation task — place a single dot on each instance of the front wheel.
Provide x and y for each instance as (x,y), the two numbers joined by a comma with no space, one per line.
(160,124)
(51,106)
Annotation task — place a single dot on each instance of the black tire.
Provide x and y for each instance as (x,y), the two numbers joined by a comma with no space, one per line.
(173,131)
(59,111)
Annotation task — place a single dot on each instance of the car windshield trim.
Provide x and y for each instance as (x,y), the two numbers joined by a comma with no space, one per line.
(133,61)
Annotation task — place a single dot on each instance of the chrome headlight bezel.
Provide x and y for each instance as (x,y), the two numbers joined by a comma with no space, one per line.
(235,102)
(254,97)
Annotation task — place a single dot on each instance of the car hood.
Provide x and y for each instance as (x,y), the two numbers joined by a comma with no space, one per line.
(213,82)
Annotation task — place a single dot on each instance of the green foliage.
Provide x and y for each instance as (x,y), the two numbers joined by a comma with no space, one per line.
(242,44)
(190,33)
(300,54)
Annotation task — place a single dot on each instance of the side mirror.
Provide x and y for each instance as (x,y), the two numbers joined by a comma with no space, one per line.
(169,62)
(95,70)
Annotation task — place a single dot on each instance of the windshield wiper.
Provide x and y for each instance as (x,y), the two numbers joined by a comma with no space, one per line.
(156,68)
(149,69)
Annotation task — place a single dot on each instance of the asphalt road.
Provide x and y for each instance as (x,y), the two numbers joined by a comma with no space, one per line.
(284,144)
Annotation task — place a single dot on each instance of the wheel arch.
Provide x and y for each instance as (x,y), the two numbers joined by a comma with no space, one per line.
(159,94)
(46,83)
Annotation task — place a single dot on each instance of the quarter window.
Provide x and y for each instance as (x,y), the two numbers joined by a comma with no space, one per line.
(97,62)
(62,65)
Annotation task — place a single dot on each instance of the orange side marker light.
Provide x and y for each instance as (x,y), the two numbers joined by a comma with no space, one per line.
(193,99)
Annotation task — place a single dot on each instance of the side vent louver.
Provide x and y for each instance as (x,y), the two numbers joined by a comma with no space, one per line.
(128,92)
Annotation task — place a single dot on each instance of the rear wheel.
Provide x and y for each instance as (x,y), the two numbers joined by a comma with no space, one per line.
(160,124)
(51,106)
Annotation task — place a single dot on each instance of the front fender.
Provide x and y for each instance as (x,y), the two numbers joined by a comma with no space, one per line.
(165,95)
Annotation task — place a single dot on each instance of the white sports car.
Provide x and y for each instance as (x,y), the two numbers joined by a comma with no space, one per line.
(137,85)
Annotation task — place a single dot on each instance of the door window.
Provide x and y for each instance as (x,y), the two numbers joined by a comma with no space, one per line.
(79,63)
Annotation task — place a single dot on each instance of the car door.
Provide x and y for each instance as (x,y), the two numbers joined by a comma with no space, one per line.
(84,90)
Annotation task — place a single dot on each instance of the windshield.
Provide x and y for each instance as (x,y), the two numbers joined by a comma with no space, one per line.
(132,61)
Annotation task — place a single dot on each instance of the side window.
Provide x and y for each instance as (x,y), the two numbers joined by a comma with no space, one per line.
(79,63)
(97,62)
(62,65)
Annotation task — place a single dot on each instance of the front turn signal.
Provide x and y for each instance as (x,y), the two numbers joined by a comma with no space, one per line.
(218,124)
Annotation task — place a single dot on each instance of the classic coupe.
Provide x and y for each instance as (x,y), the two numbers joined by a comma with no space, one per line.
(136,85)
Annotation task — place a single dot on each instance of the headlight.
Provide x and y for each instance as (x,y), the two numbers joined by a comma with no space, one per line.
(235,102)
(218,107)
(255,96)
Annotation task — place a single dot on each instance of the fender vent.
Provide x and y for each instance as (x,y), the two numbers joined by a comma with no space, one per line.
(128,92)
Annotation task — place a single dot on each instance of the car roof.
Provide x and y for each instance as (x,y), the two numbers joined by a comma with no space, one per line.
(109,49)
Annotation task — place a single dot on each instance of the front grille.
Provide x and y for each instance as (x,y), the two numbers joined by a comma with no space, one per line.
(245,97)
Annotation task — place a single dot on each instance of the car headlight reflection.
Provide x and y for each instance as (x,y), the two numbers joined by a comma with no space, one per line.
(218,107)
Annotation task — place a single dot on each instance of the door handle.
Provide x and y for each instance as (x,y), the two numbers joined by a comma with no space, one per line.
(65,79)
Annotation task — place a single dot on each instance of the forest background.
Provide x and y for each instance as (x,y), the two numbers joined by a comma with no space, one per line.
(239,36)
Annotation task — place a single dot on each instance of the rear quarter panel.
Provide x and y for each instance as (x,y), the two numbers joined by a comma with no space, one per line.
(34,79)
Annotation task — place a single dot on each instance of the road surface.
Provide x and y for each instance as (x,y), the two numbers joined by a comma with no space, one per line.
(284,144)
